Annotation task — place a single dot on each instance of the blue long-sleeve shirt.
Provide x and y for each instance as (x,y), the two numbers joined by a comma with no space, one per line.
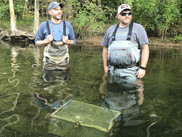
(54,29)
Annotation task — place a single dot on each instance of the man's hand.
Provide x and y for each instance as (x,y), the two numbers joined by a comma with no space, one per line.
(140,73)
(106,69)
(49,38)
(64,39)
(45,41)
(144,59)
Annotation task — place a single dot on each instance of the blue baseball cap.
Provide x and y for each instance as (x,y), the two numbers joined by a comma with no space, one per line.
(54,5)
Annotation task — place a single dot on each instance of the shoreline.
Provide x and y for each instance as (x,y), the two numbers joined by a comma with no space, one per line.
(95,41)
(154,42)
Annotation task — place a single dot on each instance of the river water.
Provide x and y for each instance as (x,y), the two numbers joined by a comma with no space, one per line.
(152,109)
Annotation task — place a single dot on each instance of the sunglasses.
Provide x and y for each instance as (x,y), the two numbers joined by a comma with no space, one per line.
(124,14)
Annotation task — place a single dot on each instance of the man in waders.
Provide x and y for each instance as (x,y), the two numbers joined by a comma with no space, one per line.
(124,44)
(55,34)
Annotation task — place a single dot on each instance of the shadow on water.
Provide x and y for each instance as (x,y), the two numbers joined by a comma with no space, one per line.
(150,108)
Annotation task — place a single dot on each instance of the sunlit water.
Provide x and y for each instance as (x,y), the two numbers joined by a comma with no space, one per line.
(26,101)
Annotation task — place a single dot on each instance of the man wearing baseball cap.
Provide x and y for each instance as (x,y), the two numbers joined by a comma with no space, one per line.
(124,45)
(55,35)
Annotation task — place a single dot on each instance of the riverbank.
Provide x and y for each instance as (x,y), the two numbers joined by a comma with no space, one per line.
(96,41)
(154,42)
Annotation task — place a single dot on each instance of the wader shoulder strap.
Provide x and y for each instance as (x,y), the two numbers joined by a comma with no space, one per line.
(114,33)
(64,28)
(48,29)
(129,32)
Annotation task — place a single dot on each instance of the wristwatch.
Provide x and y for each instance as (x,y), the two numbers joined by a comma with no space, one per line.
(144,68)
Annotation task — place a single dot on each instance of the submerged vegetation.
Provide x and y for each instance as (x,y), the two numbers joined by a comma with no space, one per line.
(161,18)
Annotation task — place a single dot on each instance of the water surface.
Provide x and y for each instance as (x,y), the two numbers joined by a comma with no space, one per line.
(26,100)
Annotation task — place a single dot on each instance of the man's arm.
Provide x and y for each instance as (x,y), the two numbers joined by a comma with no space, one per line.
(104,57)
(67,41)
(70,40)
(49,38)
(44,42)
(144,61)
(145,55)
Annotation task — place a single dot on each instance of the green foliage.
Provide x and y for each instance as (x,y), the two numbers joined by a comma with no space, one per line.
(28,12)
(4,7)
(177,38)
(157,16)
(26,25)
(170,14)
(144,14)
(5,24)
(90,19)
(19,7)
(28,15)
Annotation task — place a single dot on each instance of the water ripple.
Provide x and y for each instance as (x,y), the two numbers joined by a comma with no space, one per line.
(11,109)
(155,116)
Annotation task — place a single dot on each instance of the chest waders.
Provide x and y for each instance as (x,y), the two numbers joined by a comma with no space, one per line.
(124,56)
(56,54)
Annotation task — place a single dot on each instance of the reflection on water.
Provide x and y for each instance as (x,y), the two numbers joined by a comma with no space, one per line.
(9,119)
(152,124)
(123,96)
(26,99)
(14,65)
(37,58)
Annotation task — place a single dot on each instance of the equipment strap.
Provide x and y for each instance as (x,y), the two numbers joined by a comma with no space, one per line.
(64,28)
(129,32)
(114,33)
(48,28)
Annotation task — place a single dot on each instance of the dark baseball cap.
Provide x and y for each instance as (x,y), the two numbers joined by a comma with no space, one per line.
(54,5)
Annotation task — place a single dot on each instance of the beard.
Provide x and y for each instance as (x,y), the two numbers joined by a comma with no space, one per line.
(126,22)
(56,17)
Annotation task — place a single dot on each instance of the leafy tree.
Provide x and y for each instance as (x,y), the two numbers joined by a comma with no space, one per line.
(4,7)
(89,18)
(161,18)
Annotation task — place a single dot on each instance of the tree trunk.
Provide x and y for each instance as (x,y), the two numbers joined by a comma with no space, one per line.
(36,16)
(12,16)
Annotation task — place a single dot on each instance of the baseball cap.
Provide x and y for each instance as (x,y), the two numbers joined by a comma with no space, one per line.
(54,5)
(123,7)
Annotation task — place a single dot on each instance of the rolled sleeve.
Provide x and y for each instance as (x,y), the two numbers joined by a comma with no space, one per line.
(40,33)
(71,34)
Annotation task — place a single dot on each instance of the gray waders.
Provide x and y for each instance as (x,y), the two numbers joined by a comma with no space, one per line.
(56,57)
(123,57)
(56,54)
